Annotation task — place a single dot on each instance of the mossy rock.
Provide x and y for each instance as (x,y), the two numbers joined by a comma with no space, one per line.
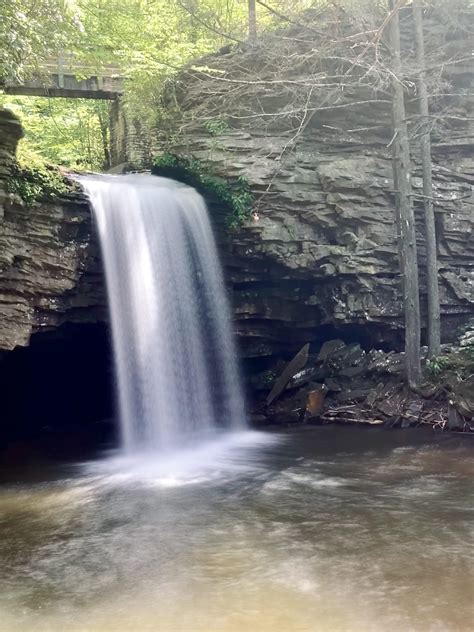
(235,196)
(39,183)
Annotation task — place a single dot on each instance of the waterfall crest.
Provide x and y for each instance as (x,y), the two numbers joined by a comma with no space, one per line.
(176,368)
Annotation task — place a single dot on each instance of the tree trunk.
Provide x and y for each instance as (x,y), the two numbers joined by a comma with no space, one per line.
(404,204)
(434,321)
(104,135)
(252,21)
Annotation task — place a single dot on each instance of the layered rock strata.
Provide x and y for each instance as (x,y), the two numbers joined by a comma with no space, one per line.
(50,269)
(305,117)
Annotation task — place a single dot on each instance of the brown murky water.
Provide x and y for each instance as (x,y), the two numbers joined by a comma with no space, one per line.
(320,530)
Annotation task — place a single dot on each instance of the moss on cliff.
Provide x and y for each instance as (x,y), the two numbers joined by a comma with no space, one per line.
(37,182)
(235,196)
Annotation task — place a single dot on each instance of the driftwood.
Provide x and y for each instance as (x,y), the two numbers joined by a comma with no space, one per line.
(294,366)
(347,385)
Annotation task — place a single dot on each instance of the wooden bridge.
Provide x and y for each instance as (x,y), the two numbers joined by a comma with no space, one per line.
(63,77)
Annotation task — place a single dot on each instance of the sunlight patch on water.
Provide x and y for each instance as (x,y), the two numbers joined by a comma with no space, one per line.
(44,498)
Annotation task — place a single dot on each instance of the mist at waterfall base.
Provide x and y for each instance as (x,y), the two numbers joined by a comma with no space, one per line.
(178,386)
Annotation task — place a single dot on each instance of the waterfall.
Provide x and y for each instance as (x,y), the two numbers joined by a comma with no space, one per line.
(176,369)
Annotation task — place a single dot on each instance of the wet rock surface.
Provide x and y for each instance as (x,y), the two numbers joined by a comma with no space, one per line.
(346,384)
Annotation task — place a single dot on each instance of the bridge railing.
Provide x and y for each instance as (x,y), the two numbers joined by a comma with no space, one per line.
(64,77)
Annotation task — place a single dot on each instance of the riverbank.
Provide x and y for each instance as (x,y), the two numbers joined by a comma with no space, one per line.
(345,384)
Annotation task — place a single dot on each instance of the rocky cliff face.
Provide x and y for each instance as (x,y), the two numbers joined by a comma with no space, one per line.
(324,252)
(50,271)
(320,258)
(305,117)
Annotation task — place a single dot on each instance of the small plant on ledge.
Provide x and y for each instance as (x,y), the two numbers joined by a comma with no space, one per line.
(37,182)
(235,196)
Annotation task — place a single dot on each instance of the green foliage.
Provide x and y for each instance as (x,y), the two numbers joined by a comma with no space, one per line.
(150,40)
(235,196)
(458,362)
(216,127)
(437,365)
(31,31)
(37,182)
(268,377)
(147,41)
(68,132)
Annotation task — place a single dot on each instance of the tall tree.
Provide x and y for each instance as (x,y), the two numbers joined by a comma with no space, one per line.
(404,203)
(32,31)
(434,321)
(252,20)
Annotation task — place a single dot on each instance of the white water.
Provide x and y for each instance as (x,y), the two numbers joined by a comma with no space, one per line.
(177,376)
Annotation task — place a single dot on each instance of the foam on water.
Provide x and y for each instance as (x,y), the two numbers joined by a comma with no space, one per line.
(216,459)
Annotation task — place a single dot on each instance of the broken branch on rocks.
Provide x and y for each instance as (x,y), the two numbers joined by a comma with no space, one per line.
(345,384)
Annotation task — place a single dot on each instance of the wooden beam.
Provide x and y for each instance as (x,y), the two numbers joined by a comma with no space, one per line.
(66,93)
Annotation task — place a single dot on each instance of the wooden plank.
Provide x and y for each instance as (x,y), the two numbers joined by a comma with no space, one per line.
(296,364)
(59,79)
(66,93)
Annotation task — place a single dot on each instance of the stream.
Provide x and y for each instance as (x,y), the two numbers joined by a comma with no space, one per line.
(322,530)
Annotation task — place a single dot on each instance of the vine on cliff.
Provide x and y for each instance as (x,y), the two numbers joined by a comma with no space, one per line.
(235,196)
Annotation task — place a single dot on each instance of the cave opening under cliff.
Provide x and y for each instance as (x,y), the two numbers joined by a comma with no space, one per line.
(57,393)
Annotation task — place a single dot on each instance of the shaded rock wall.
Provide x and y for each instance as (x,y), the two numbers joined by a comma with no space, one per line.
(59,384)
(50,271)
(129,138)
